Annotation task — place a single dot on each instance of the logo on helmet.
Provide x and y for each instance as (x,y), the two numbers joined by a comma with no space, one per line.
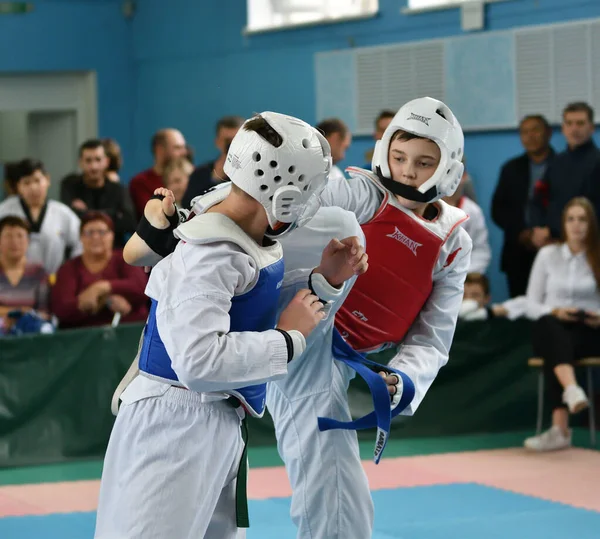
(234,160)
(419,118)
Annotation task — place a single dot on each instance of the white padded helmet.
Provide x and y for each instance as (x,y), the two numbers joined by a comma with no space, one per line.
(432,119)
(284,165)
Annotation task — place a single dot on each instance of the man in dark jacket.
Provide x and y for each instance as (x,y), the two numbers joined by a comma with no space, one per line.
(209,174)
(572,173)
(92,190)
(512,199)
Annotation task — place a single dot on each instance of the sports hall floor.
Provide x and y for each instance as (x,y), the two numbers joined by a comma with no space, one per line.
(475,487)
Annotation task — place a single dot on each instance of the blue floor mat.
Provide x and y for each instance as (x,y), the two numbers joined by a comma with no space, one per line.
(462,511)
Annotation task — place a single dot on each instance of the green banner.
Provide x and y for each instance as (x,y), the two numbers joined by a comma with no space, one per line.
(55,390)
(12,8)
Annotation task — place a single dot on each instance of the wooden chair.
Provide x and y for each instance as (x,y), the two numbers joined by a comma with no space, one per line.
(589,364)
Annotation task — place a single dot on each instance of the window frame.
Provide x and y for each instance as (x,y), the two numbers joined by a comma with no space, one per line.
(246,31)
(451,4)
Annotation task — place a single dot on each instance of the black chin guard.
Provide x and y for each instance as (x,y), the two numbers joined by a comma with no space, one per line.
(405,191)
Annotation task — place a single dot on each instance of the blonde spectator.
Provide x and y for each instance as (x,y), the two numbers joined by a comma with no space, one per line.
(115,159)
(176,177)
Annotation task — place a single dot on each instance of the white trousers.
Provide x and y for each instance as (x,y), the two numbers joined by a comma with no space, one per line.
(331,497)
(170,467)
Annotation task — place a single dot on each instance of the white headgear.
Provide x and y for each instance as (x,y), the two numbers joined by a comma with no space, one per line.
(287,177)
(432,119)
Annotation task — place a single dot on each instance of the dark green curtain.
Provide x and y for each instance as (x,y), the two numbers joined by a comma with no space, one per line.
(55,390)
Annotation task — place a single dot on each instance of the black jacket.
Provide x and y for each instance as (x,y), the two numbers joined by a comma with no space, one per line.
(509,206)
(201,180)
(571,174)
(112,199)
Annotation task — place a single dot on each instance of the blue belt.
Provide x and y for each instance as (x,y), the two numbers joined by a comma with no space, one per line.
(381,416)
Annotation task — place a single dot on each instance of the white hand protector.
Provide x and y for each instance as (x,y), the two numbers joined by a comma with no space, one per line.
(432,119)
(398,395)
(395,398)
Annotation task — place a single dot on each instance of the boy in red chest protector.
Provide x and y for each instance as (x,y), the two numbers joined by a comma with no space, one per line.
(409,299)
(413,238)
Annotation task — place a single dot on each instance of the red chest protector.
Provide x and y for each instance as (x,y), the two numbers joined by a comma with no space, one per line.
(403,250)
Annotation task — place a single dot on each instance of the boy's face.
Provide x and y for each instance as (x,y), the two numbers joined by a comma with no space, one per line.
(475,292)
(412,163)
(34,188)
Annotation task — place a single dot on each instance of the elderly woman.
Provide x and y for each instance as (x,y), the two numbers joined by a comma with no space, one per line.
(564,296)
(23,284)
(91,288)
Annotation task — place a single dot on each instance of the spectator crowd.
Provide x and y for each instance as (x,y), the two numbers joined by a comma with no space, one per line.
(61,264)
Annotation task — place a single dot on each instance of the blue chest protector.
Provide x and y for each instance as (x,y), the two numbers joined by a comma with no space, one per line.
(255,310)
(381,417)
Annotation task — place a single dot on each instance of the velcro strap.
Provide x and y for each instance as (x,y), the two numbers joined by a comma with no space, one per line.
(161,241)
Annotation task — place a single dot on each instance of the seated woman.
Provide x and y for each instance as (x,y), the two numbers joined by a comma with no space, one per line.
(93,287)
(23,284)
(54,227)
(564,296)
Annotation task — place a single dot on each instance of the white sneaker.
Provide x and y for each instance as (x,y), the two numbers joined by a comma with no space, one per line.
(551,440)
(575,398)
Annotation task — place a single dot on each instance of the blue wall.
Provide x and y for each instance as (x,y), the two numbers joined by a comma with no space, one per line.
(78,35)
(193,65)
(185,63)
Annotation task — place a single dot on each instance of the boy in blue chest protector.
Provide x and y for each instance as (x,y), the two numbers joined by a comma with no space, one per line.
(176,463)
